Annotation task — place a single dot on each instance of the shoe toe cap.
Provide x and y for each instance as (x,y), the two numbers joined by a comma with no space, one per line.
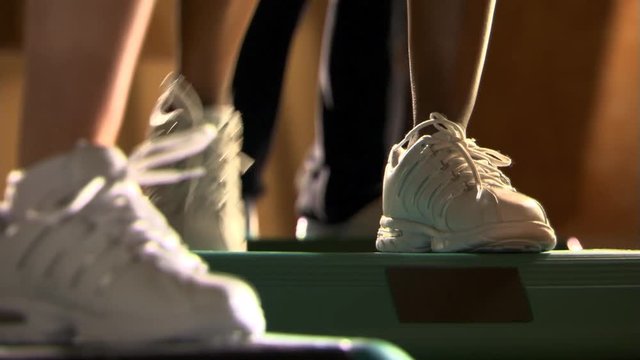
(230,305)
(514,206)
(494,206)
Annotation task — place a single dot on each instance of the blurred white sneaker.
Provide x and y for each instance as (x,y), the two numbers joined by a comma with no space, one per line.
(361,226)
(207,211)
(86,258)
(444,193)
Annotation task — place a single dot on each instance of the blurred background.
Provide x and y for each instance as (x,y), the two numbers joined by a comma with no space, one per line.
(559,95)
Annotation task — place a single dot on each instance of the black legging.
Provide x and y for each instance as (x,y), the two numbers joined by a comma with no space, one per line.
(350,147)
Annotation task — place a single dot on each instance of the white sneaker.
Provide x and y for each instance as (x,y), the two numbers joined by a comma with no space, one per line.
(361,226)
(207,211)
(86,258)
(444,193)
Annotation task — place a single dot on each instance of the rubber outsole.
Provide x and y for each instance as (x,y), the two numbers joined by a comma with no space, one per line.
(398,235)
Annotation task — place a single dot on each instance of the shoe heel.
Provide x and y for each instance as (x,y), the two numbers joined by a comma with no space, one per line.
(403,236)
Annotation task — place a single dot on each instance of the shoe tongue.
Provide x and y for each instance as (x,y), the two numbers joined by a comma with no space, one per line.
(444,136)
(184,97)
(53,183)
(178,96)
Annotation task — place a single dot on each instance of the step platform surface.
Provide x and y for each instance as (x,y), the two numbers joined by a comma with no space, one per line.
(269,347)
(560,304)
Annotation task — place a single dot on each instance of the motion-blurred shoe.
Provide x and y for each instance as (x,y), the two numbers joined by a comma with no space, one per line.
(207,211)
(361,226)
(86,258)
(321,185)
(444,193)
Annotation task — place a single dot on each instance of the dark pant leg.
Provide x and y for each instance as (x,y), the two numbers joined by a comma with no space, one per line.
(344,171)
(258,80)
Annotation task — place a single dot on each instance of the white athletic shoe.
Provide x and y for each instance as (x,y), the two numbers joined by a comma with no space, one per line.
(86,258)
(361,226)
(207,211)
(444,193)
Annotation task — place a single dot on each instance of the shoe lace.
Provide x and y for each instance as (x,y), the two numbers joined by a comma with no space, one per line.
(151,233)
(179,93)
(153,153)
(481,163)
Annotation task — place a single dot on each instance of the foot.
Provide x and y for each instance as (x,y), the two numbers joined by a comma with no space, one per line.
(443,193)
(323,211)
(86,258)
(361,226)
(207,211)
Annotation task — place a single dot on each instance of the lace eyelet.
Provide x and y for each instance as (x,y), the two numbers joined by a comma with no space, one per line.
(444,166)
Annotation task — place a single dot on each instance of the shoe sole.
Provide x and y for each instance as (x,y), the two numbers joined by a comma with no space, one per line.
(26,321)
(398,235)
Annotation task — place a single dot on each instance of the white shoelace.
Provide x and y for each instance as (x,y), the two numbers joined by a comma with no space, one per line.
(163,246)
(483,163)
(167,149)
(175,88)
(141,168)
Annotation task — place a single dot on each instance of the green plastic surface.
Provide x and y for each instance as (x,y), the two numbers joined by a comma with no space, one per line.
(584,304)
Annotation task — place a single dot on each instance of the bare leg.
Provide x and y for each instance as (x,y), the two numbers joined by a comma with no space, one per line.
(211,35)
(448,41)
(78,70)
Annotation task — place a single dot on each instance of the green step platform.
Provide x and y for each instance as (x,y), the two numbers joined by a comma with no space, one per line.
(561,304)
